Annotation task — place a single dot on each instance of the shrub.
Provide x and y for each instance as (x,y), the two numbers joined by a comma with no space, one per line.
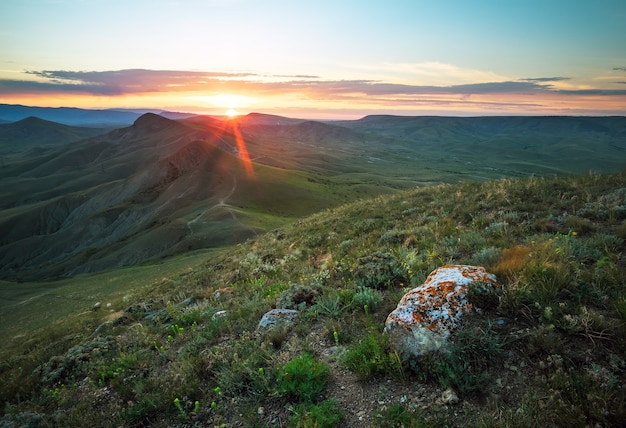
(367,296)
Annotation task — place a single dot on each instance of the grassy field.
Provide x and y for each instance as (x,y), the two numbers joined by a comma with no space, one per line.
(551,351)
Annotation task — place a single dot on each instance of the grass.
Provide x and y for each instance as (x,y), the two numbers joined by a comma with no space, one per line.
(550,351)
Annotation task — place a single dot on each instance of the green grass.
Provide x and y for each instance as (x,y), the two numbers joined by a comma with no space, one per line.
(550,351)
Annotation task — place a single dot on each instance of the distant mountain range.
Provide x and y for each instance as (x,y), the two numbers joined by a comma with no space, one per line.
(81,117)
(76,199)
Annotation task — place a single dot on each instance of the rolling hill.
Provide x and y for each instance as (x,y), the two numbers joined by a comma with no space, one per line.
(161,187)
(35,132)
(140,193)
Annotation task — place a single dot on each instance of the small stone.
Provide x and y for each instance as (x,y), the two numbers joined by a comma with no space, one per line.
(261,411)
(96,306)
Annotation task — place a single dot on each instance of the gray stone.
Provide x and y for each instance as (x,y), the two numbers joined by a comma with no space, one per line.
(277,317)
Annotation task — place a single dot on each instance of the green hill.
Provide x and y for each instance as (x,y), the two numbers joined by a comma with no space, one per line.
(34,132)
(162,187)
(152,190)
(551,351)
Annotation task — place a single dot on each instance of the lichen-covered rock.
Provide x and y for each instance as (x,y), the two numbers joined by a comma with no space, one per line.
(426,315)
(277,317)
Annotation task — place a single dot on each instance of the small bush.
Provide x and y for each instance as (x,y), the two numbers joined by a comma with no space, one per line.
(379,270)
(303,379)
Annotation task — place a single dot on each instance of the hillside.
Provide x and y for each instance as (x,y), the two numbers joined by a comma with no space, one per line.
(163,187)
(522,145)
(551,351)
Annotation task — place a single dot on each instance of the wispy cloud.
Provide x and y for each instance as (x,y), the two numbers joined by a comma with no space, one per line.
(140,81)
(482,93)
(546,79)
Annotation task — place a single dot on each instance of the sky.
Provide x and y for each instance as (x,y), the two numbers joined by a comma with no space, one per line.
(332,59)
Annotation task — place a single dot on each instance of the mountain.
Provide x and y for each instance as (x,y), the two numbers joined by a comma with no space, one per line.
(81,117)
(32,132)
(156,188)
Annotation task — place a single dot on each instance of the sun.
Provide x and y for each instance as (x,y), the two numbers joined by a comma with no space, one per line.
(231,112)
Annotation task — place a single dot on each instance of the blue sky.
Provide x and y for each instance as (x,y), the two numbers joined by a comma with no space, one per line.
(317,59)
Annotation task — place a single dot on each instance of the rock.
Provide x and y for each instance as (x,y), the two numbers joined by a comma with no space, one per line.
(425,316)
(449,397)
(277,317)
(218,315)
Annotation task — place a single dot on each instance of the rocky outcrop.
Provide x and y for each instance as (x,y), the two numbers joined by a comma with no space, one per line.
(426,315)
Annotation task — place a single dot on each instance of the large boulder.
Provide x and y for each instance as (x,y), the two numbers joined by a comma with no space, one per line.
(426,315)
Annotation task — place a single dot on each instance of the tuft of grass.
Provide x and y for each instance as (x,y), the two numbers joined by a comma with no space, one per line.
(465,364)
(372,356)
(323,415)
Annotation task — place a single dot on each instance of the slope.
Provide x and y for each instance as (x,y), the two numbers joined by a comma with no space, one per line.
(183,348)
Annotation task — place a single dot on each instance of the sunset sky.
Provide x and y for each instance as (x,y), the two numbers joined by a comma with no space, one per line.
(317,59)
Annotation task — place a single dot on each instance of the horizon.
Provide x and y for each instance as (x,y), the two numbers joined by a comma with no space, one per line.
(235,115)
(317,61)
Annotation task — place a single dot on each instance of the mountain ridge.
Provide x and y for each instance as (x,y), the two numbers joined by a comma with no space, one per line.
(175,185)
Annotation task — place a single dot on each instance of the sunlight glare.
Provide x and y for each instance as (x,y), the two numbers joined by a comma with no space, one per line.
(231,112)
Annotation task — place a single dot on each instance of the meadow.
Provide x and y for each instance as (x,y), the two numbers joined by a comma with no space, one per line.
(551,351)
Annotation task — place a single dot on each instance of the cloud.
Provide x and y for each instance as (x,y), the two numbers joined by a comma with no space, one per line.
(619,69)
(545,79)
(129,81)
(307,88)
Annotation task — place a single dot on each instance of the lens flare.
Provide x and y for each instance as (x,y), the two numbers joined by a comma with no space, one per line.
(241,147)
